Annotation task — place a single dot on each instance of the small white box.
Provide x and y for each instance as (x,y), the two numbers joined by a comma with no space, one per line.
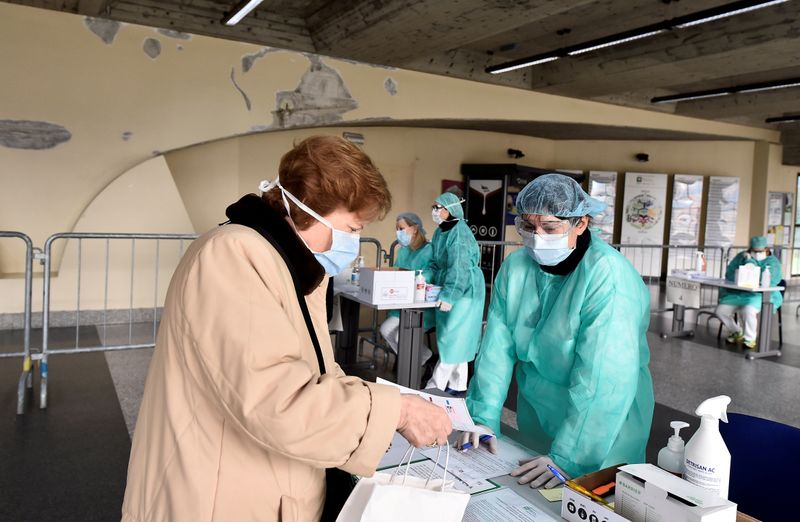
(387,286)
(576,507)
(748,276)
(647,493)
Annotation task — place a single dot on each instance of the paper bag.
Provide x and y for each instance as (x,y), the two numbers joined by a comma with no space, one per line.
(748,276)
(398,497)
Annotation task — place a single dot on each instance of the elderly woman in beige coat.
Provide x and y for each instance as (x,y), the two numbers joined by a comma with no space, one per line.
(239,418)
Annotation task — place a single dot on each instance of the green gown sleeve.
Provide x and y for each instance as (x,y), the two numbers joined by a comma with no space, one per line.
(604,379)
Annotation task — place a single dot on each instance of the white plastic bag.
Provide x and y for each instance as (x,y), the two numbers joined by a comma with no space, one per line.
(397,497)
(748,276)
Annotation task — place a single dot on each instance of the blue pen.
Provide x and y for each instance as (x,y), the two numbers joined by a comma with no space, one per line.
(557,473)
(468,445)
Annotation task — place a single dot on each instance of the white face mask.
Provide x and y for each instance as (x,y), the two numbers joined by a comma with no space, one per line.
(344,245)
(436,216)
(760,256)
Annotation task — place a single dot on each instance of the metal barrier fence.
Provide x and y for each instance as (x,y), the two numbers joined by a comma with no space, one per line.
(26,377)
(105,272)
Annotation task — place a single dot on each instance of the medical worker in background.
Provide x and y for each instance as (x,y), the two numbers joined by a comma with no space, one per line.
(414,254)
(455,266)
(748,304)
(569,314)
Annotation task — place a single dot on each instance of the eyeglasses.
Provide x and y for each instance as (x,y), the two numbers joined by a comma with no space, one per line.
(545,227)
(437,207)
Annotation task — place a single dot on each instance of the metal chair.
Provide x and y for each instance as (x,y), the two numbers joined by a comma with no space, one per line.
(780,317)
(764,458)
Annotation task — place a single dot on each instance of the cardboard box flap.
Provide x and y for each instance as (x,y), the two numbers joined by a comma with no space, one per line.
(676,487)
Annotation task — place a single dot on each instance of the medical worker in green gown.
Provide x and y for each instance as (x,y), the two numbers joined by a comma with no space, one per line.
(455,266)
(569,314)
(748,304)
(414,254)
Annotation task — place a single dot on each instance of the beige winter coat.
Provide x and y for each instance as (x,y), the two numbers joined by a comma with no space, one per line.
(236,423)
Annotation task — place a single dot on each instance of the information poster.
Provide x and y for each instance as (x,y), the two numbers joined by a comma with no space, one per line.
(684,227)
(603,187)
(723,200)
(643,220)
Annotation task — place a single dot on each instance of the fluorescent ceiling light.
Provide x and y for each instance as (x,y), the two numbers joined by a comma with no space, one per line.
(770,87)
(510,66)
(738,89)
(615,42)
(686,97)
(240,11)
(783,119)
(732,12)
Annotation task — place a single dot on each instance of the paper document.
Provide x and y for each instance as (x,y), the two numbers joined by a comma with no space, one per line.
(552,495)
(456,408)
(395,452)
(424,469)
(479,464)
(502,505)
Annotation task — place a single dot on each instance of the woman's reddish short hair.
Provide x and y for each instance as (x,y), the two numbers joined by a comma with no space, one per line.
(327,173)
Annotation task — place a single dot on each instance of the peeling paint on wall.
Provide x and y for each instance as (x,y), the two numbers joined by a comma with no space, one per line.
(249,60)
(127,135)
(171,33)
(260,128)
(321,98)
(106,29)
(241,91)
(152,47)
(32,135)
(391,86)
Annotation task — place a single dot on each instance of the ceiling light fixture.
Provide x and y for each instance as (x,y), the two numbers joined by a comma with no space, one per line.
(240,11)
(681,22)
(748,88)
(783,119)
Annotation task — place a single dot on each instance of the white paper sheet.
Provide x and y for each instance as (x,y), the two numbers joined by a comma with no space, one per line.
(502,505)
(424,468)
(480,464)
(456,408)
(397,449)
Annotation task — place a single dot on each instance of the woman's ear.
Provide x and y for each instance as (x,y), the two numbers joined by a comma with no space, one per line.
(583,224)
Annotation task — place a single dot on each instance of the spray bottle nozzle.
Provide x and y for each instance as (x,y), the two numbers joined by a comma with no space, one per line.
(714,408)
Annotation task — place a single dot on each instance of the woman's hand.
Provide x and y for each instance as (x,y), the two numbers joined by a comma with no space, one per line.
(535,471)
(474,440)
(444,306)
(423,423)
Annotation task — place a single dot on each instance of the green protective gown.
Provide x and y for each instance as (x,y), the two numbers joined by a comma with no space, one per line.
(455,266)
(579,346)
(742,298)
(415,260)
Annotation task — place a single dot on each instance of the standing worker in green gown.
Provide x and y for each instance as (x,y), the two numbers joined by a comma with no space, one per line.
(569,314)
(414,254)
(455,266)
(748,304)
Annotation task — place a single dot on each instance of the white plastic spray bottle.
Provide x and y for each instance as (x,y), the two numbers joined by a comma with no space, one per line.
(707,460)
(419,287)
(671,457)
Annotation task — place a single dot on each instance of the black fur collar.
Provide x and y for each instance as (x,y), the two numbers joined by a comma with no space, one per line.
(251,211)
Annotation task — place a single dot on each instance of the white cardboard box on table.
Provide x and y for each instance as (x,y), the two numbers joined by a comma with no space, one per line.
(387,286)
(748,276)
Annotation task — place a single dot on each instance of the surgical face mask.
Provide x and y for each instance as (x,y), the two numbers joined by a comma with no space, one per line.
(548,250)
(436,216)
(344,245)
(403,237)
(759,256)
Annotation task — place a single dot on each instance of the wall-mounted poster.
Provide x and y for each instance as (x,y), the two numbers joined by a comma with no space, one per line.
(643,220)
(684,227)
(723,199)
(485,214)
(603,187)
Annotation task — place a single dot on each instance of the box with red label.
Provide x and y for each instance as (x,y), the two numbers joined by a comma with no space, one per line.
(387,286)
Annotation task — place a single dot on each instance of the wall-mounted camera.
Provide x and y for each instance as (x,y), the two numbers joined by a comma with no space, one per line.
(642,157)
(516,154)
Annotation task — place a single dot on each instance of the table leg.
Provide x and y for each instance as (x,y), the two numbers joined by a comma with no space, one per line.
(347,339)
(764,332)
(408,349)
(678,313)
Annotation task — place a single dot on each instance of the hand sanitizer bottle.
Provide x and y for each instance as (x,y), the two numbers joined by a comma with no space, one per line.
(766,277)
(670,458)
(419,287)
(355,275)
(707,460)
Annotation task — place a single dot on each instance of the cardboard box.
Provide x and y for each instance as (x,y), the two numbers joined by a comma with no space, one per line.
(748,276)
(577,507)
(387,286)
(647,493)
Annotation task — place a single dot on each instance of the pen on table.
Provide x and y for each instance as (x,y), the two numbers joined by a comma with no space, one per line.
(557,473)
(468,445)
(577,487)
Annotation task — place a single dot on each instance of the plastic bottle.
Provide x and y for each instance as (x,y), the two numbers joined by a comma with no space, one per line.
(766,277)
(700,262)
(419,287)
(707,461)
(355,275)
(671,457)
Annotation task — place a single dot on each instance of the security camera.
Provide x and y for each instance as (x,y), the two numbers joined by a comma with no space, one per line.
(516,154)
(642,157)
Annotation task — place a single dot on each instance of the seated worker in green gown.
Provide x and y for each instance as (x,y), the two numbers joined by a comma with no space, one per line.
(569,314)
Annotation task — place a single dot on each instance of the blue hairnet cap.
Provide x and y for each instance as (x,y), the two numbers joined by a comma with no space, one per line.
(411,219)
(758,242)
(557,195)
(452,203)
